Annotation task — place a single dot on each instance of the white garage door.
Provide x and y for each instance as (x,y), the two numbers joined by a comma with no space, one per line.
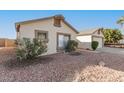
(100,40)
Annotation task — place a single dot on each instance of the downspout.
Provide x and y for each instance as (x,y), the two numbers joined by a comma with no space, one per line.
(17,27)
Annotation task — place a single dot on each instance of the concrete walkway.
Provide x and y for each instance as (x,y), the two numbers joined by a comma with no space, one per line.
(112,50)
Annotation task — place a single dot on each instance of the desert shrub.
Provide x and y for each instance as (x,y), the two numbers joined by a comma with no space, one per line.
(29,49)
(94,45)
(71,46)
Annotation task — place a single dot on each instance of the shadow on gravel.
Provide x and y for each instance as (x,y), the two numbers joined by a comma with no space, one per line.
(14,64)
(75,53)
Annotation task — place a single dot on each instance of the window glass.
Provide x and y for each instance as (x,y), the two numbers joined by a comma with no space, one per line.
(62,40)
(42,36)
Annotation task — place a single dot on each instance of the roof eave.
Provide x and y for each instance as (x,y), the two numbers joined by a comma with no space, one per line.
(71,26)
(33,20)
(90,33)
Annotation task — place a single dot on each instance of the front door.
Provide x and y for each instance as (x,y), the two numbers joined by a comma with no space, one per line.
(62,41)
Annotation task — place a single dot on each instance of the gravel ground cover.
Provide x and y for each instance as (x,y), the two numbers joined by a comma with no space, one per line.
(6,54)
(57,67)
(100,74)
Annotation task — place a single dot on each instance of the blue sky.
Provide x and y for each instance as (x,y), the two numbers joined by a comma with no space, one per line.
(82,19)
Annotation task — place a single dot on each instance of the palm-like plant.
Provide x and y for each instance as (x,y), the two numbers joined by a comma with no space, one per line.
(121,21)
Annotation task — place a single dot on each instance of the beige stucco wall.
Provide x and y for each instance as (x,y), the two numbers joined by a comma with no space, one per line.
(96,34)
(121,41)
(84,41)
(28,30)
(99,40)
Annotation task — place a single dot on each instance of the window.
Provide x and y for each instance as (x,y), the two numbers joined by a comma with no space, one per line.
(62,40)
(57,22)
(43,35)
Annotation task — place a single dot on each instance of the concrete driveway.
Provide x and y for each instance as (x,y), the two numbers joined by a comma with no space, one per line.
(111,50)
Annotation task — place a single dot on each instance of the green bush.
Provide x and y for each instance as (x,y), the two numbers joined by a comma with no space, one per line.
(94,45)
(71,46)
(28,49)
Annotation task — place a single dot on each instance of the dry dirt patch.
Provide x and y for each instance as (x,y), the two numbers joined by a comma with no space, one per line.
(100,74)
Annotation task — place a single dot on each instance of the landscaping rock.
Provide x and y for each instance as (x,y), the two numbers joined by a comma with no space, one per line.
(101,63)
(100,74)
(61,67)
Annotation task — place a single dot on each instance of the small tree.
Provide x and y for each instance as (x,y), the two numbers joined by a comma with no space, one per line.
(71,46)
(28,49)
(94,45)
(112,35)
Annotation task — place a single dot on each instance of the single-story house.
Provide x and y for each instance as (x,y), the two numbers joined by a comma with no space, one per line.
(87,36)
(55,29)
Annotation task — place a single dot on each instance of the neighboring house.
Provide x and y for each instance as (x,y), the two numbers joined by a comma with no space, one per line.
(55,29)
(122,40)
(87,36)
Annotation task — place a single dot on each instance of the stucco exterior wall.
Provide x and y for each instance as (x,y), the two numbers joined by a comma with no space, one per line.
(100,35)
(99,40)
(121,41)
(28,30)
(84,41)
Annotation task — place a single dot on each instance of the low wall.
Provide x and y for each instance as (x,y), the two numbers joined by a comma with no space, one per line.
(84,45)
(2,42)
(115,45)
(7,43)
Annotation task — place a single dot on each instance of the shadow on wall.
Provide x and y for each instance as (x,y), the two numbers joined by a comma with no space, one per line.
(84,45)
